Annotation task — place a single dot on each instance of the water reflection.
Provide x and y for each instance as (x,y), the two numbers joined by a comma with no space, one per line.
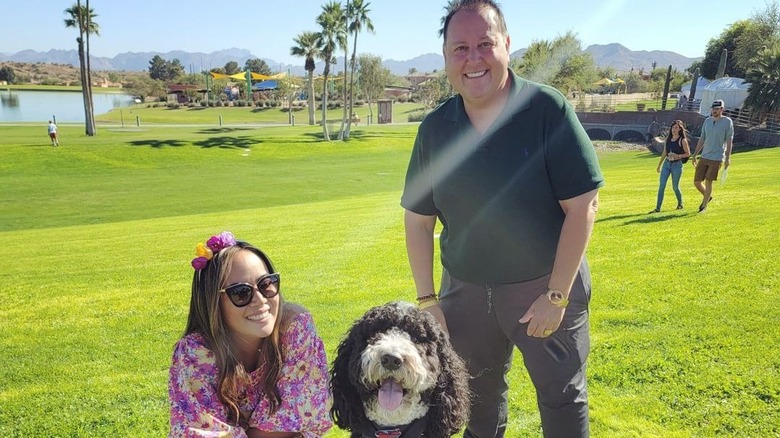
(9,100)
(65,106)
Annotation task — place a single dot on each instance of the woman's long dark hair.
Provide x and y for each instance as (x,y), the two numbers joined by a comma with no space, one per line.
(206,319)
(682,131)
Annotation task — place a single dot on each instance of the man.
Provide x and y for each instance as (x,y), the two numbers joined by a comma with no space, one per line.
(511,174)
(717,136)
(55,141)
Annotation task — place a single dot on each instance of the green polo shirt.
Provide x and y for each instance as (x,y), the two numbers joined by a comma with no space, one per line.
(497,194)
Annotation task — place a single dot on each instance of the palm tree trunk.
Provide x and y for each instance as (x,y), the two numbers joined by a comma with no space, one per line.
(91,131)
(83,77)
(324,119)
(310,88)
(351,90)
(344,113)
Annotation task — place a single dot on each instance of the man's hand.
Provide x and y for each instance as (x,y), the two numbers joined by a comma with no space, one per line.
(543,317)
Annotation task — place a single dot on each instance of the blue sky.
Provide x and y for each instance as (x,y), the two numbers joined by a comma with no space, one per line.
(404,28)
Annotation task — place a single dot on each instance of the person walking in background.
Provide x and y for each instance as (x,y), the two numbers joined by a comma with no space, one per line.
(511,174)
(249,364)
(715,144)
(55,141)
(675,154)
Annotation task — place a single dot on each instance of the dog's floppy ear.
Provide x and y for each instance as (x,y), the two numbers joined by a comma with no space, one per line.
(347,410)
(451,400)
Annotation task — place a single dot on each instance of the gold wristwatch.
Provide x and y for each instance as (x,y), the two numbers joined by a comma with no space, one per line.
(556,298)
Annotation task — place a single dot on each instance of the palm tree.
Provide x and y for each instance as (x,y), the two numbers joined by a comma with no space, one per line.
(764,91)
(330,22)
(357,15)
(82,17)
(307,46)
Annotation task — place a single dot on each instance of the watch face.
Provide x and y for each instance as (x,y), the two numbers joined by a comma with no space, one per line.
(555,296)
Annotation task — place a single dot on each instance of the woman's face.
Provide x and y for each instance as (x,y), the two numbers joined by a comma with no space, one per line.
(255,321)
(676,128)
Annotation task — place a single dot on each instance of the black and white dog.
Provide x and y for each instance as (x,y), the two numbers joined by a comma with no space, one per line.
(396,375)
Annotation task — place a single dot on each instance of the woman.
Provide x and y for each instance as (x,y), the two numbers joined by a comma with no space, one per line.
(249,364)
(674,155)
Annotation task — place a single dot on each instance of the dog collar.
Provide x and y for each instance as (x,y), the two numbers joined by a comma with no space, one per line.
(388,433)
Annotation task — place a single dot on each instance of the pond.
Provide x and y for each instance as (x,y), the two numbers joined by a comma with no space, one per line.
(65,106)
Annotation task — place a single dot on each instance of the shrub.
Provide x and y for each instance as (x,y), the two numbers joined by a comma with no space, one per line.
(173,105)
(417,115)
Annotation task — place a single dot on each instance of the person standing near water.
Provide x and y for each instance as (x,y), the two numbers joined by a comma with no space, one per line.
(55,141)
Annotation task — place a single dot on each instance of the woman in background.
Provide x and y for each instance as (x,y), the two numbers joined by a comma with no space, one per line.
(676,152)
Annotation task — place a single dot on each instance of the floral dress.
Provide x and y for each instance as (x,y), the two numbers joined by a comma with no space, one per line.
(196,410)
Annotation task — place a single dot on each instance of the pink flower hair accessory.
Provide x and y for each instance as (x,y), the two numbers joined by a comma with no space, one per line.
(214,245)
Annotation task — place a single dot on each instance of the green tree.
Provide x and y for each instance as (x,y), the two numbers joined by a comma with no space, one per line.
(158,68)
(764,78)
(287,88)
(231,68)
(357,16)
(7,74)
(307,47)
(726,40)
(174,69)
(635,83)
(330,23)
(763,32)
(83,19)
(257,65)
(560,63)
(434,90)
(163,70)
(373,78)
(144,87)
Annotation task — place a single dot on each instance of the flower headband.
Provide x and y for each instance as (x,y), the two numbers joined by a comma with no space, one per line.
(214,245)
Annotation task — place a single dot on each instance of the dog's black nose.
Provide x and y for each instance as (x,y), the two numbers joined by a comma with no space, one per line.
(391,362)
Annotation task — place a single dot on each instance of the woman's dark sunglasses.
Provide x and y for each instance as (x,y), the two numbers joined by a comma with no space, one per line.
(240,294)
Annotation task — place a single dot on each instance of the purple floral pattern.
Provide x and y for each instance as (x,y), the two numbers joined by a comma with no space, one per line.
(196,410)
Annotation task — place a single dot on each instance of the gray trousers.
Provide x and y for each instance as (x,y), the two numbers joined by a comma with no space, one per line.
(484,329)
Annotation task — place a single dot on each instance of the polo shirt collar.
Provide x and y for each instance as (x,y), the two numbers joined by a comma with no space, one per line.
(457,112)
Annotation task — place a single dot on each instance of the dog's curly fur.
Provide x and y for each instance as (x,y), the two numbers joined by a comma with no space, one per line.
(432,375)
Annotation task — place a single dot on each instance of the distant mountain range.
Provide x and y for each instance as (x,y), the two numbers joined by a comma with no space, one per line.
(610,55)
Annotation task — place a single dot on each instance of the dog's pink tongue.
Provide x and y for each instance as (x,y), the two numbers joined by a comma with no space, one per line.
(390,395)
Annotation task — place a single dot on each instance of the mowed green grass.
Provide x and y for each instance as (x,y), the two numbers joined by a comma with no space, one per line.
(97,236)
(144,114)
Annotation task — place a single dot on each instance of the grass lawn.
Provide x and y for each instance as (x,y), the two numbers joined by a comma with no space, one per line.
(238,115)
(99,233)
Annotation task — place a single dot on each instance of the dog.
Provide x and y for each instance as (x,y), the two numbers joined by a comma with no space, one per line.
(396,375)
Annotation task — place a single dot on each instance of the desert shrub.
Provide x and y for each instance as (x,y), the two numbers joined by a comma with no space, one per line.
(417,115)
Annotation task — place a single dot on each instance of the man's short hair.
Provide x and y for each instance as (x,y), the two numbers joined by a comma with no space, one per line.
(472,5)
(718,104)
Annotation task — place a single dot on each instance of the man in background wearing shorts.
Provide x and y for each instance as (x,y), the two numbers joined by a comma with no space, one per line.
(717,135)
(53,134)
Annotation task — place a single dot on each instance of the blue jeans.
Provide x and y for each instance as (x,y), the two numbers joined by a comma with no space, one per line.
(674,169)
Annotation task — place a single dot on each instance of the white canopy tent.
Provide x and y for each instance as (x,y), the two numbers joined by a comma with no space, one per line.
(732,91)
(685,90)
